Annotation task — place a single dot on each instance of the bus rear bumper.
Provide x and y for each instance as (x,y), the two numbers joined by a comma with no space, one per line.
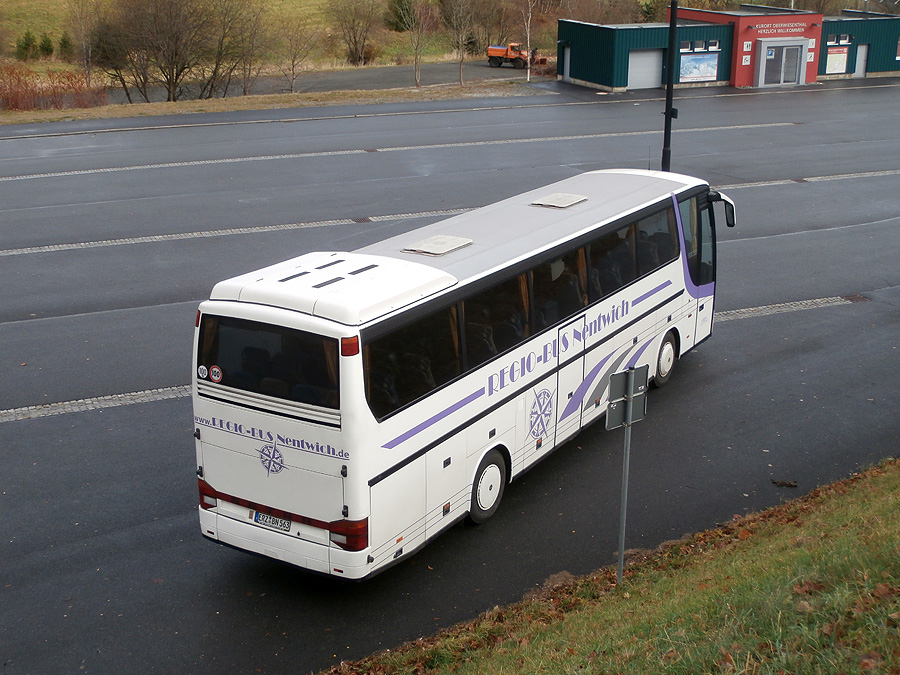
(294,551)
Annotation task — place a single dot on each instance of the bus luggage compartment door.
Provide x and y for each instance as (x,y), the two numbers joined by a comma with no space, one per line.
(397,523)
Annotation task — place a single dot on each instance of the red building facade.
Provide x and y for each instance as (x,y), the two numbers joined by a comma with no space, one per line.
(769,48)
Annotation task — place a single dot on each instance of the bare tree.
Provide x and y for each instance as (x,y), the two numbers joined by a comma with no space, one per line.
(116,50)
(235,41)
(179,42)
(174,36)
(254,38)
(600,11)
(173,42)
(529,10)
(887,6)
(418,18)
(296,40)
(84,17)
(221,59)
(826,7)
(354,20)
(459,19)
(492,22)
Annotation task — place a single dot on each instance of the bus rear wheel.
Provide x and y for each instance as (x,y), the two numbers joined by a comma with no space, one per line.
(494,62)
(665,361)
(488,487)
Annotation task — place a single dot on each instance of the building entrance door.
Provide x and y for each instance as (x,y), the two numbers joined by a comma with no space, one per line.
(862,57)
(782,65)
(781,62)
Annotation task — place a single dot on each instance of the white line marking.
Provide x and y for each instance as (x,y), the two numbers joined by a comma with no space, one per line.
(810,179)
(780,308)
(95,403)
(50,248)
(405,148)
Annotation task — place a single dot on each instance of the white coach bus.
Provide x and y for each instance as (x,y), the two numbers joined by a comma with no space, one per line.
(350,406)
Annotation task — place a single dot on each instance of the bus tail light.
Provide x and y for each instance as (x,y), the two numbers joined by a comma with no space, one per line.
(350,535)
(208,496)
(350,346)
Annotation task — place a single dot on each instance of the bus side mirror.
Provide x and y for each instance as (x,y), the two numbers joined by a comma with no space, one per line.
(729,206)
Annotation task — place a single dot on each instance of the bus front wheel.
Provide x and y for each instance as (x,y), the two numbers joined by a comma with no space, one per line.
(488,487)
(665,362)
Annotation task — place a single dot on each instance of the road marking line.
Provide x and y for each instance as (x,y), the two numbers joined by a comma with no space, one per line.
(405,148)
(183,391)
(95,403)
(780,308)
(810,179)
(50,248)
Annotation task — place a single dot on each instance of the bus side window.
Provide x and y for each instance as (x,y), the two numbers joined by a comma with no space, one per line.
(558,288)
(411,361)
(496,320)
(624,253)
(656,241)
(605,276)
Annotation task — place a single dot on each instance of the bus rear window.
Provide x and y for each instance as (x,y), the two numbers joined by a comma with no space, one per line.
(273,360)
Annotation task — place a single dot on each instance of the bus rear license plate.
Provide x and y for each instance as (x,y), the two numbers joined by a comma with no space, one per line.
(272,521)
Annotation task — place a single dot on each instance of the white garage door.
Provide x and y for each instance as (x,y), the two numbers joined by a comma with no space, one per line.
(645,67)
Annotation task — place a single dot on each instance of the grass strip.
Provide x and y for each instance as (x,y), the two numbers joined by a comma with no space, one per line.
(811,586)
(437,92)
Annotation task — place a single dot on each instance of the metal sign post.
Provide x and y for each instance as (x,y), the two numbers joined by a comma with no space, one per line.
(627,405)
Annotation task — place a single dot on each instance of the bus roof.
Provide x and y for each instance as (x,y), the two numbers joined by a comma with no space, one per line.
(358,287)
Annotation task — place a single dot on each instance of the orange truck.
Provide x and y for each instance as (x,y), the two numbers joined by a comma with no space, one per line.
(511,53)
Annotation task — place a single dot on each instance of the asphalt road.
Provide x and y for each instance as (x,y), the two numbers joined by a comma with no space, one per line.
(112,232)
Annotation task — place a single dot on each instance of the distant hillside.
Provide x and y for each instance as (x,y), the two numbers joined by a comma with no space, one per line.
(50,16)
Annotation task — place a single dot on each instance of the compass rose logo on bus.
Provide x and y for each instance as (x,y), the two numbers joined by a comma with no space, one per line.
(271,459)
(541,413)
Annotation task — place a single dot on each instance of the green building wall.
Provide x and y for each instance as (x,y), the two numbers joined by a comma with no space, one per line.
(599,54)
(881,33)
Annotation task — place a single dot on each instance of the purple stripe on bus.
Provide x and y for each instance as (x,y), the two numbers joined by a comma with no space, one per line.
(637,355)
(434,420)
(649,293)
(575,402)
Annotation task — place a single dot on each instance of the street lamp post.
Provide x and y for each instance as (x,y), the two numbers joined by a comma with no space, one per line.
(670,112)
